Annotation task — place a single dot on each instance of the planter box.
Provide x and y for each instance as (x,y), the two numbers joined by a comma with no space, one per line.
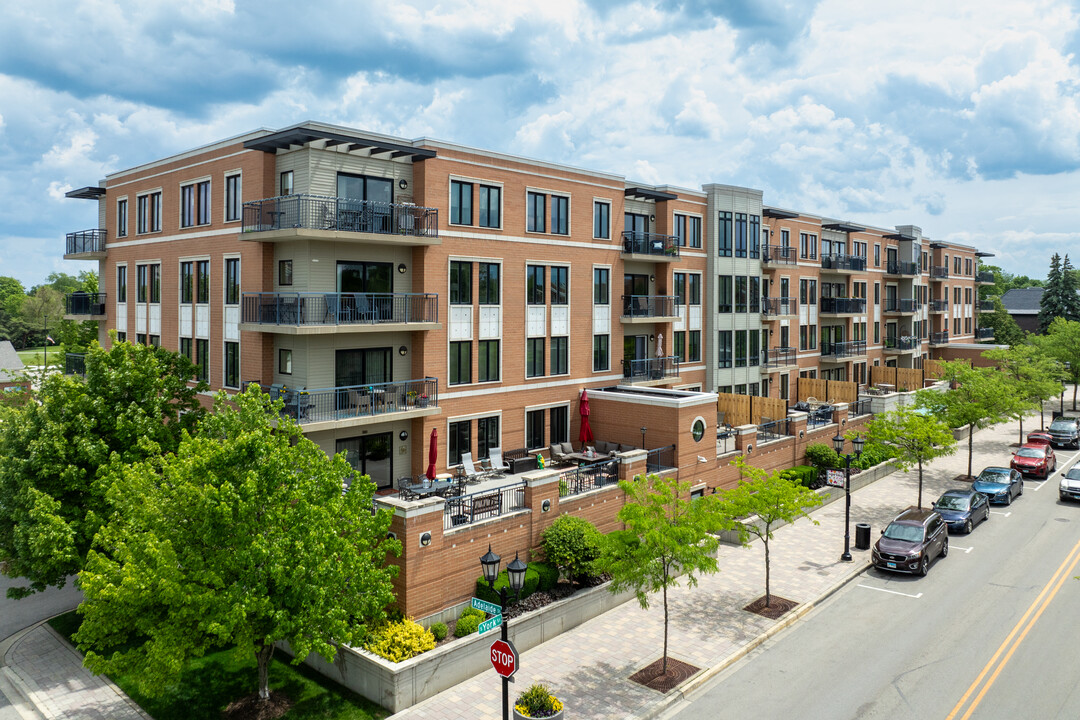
(556,716)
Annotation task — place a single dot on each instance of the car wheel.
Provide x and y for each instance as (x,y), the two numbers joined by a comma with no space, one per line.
(945,548)
(924,566)
(1008,498)
(967,527)
(1021,489)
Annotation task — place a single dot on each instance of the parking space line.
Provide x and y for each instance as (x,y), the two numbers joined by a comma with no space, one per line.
(964,550)
(892,592)
(998,512)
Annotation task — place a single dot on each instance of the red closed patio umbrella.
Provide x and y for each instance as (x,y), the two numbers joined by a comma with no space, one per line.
(585,436)
(433,454)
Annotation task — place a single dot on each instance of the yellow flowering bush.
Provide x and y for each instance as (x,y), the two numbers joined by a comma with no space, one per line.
(402,640)
(537,702)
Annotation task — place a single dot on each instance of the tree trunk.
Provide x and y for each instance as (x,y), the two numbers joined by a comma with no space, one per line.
(971,428)
(920,483)
(263,654)
(665,617)
(765,541)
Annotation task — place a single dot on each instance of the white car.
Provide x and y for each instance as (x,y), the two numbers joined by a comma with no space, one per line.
(1070,485)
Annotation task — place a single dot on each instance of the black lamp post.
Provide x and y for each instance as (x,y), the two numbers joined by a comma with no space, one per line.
(643,429)
(515,572)
(857,443)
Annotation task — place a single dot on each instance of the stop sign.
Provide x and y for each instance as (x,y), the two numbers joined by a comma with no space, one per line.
(504,658)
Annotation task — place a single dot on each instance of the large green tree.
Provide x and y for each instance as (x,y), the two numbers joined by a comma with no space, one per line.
(242,537)
(1006,331)
(1033,374)
(1062,342)
(133,404)
(1060,298)
(912,437)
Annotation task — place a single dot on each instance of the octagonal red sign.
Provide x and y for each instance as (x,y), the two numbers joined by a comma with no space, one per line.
(504,658)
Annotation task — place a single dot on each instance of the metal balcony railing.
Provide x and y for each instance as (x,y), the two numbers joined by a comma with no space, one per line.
(779,306)
(986,306)
(778,357)
(75,364)
(647,243)
(860,407)
(840,350)
(903,342)
(778,254)
(902,268)
(842,305)
(356,401)
(650,368)
(588,477)
(984,333)
(840,261)
(939,338)
(902,305)
(86,241)
(660,459)
(318,212)
(984,276)
(939,306)
(939,272)
(301,309)
(83,303)
(648,306)
(471,508)
(773,430)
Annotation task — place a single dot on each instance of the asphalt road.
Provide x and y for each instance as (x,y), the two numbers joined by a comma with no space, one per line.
(17,614)
(991,632)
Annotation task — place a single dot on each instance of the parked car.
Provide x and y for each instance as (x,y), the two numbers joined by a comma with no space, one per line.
(1037,460)
(1040,437)
(1065,431)
(962,509)
(1069,489)
(999,485)
(911,541)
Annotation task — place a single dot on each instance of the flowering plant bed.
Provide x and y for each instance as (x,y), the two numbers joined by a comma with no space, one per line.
(537,702)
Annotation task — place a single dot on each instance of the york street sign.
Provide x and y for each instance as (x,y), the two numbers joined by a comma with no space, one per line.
(490,624)
(489,608)
(834,478)
(504,658)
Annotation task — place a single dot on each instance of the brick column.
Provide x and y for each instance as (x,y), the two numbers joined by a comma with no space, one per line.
(745,436)
(541,486)
(631,463)
(840,415)
(415,522)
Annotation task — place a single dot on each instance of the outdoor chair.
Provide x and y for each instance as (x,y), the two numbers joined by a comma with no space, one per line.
(472,475)
(496,466)
(333,307)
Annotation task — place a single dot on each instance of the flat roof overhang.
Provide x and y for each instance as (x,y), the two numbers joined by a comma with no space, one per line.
(90,192)
(641,193)
(779,214)
(843,227)
(303,134)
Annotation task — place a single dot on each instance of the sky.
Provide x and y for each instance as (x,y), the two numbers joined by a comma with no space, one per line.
(960,117)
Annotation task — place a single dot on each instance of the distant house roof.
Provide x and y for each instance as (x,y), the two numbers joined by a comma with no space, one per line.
(1022,301)
(11,367)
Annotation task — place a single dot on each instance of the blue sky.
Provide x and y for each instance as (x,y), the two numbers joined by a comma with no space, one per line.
(960,117)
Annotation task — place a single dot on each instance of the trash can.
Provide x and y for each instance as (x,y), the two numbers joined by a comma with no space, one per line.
(862,536)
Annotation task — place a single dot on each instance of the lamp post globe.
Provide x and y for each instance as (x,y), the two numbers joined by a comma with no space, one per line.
(490,563)
(516,572)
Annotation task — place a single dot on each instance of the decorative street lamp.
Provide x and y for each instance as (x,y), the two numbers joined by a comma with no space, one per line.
(515,572)
(643,429)
(857,443)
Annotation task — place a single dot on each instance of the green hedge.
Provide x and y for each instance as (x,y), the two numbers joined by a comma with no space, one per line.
(802,474)
(539,576)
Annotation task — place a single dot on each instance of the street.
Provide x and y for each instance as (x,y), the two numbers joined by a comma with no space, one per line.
(990,633)
(17,614)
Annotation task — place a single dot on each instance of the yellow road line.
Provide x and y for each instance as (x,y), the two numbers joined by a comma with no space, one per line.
(1037,607)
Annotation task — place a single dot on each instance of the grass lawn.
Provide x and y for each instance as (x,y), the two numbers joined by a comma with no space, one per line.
(211,682)
(36,355)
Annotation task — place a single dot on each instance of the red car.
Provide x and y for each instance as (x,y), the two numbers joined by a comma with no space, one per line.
(1040,438)
(1037,460)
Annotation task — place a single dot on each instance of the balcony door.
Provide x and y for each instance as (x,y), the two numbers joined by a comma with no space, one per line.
(372,213)
(635,347)
(366,277)
(363,366)
(638,286)
(370,455)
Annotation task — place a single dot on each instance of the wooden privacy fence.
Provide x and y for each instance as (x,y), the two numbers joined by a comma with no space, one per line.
(749,409)
(830,391)
(899,378)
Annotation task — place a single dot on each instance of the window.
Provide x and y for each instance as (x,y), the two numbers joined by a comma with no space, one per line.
(489,361)
(489,283)
(724,290)
(560,215)
(956,265)
(185,347)
(155,283)
(490,206)
(601,220)
(813,291)
(284,361)
(233,198)
(534,357)
(860,249)
(723,247)
(121,336)
(487,436)
(560,356)
(459,441)
(140,338)
(284,272)
(784,386)
(460,363)
(678,346)
(755,294)
(754,352)
(807,246)
(601,356)
(534,429)
(724,348)
(695,289)
(155,341)
(186,282)
(601,286)
(785,238)
(195,204)
(877,333)
(148,213)
(536,211)
(202,278)
(755,236)
(740,235)
(559,285)
(740,389)
(694,351)
(956,326)
(202,358)
(121,283)
(232,365)
(560,424)
(460,283)
(286,183)
(232,281)
(121,218)
(679,281)
(877,255)
(680,230)
(693,230)
(141,283)
(740,348)
(534,284)
(877,293)
(740,292)
(460,203)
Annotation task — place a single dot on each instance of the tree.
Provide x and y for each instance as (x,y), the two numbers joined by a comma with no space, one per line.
(1006,331)
(773,500)
(1032,373)
(573,545)
(666,534)
(1060,299)
(133,404)
(12,295)
(1062,342)
(913,437)
(242,537)
(1068,290)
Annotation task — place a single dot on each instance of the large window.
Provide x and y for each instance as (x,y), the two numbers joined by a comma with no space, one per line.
(601,354)
(723,247)
(121,218)
(723,345)
(560,355)
(232,365)
(187,280)
(560,424)
(285,185)
(460,363)
(534,357)
(694,285)
(155,283)
(534,429)
(489,361)
(601,220)
(534,285)
(560,215)
(559,286)
(693,352)
(740,235)
(460,283)
(724,290)
(807,246)
(195,204)
(694,231)
(487,436)
(202,279)
(459,441)
(740,348)
(202,358)
(460,203)
(490,206)
(185,347)
(678,347)
(233,198)
(755,294)
(753,353)
(121,283)
(680,230)
(679,281)
(741,293)
(141,283)
(536,206)
(755,236)
(232,281)
(488,283)
(601,286)
(148,213)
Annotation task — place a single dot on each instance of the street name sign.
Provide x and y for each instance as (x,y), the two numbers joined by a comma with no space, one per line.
(834,478)
(489,608)
(504,658)
(490,624)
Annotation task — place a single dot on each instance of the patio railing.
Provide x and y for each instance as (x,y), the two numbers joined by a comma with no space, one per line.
(319,212)
(661,459)
(467,509)
(353,401)
(984,276)
(651,368)
(984,333)
(75,364)
(904,342)
(939,306)
(648,306)
(588,477)
(839,261)
(84,303)
(939,338)
(778,254)
(902,267)
(819,418)
(939,272)
(648,243)
(902,305)
(296,309)
(778,357)
(842,305)
(859,407)
(773,430)
(845,349)
(779,306)
(86,241)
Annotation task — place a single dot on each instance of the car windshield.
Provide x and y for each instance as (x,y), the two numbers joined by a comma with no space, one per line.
(1031,453)
(1073,474)
(907,533)
(952,502)
(1063,425)
(993,476)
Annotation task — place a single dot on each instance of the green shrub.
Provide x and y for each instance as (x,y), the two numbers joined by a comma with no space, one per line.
(802,474)
(438,630)
(873,455)
(466,625)
(537,702)
(398,641)
(548,574)
(573,545)
(531,585)
(473,612)
(821,456)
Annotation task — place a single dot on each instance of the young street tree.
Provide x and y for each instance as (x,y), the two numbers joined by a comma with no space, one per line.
(243,537)
(666,534)
(773,500)
(915,438)
(133,404)
(1032,373)
(1062,342)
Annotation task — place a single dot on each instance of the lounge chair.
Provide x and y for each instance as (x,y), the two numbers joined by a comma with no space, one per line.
(496,466)
(471,473)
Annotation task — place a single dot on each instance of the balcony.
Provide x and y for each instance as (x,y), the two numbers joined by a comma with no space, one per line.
(939,306)
(902,268)
(773,359)
(648,308)
(984,277)
(839,263)
(85,245)
(842,306)
(773,308)
(902,306)
(939,272)
(652,247)
(842,351)
(75,364)
(939,338)
(774,255)
(84,306)
(342,407)
(984,333)
(293,217)
(986,306)
(329,313)
(651,371)
(903,343)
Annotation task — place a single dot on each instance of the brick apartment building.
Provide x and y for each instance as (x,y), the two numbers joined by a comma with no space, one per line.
(388,287)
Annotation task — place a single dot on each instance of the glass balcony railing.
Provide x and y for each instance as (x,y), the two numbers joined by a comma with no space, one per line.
(82,303)
(984,333)
(902,305)
(939,306)
(984,276)
(902,268)
(986,306)
(356,401)
(902,343)
(939,338)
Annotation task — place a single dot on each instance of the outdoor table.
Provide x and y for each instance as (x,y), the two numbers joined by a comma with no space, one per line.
(583,458)
(436,487)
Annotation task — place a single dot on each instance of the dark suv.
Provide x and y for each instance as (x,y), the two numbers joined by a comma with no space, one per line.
(911,541)
(1064,431)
